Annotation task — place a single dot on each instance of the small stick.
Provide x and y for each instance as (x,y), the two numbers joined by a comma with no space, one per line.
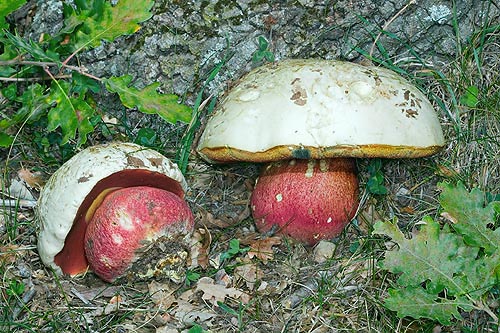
(21,303)
(388,23)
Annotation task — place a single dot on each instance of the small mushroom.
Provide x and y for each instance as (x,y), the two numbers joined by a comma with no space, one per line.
(120,200)
(314,116)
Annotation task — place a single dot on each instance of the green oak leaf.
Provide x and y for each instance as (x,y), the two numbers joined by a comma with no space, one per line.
(417,302)
(7,7)
(69,113)
(97,20)
(439,272)
(430,255)
(471,215)
(148,100)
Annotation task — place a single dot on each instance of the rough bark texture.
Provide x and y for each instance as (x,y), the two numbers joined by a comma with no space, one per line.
(182,42)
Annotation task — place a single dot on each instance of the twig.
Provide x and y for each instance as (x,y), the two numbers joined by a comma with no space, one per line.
(45,64)
(80,296)
(32,79)
(21,303)
(21,203)
(388,23)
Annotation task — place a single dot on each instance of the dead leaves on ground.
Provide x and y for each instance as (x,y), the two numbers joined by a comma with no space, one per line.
(242,281)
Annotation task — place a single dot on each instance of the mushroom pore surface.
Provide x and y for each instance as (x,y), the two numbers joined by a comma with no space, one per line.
(308,200)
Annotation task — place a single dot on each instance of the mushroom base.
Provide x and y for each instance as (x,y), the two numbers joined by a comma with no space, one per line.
(138,233)
(307,200)
(163,259)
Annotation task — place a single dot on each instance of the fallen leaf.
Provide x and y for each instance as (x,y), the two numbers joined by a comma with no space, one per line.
(214,293)
(8,254)
(199,248)
(187,313)
(19,190)
(162,294)
(407,210)
(32,179)
(263,248)
(209,220)
(323,251)
(106,119)
(93,294)
(248,272)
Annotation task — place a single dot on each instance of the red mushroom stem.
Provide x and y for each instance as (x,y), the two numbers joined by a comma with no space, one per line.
(308,200)
(71,259)
(128,223)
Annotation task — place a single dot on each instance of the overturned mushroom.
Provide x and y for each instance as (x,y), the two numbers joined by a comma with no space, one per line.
(313,116)
(74,200)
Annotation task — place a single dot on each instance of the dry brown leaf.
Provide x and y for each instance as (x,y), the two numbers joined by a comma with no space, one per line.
(8,254)
(162,294)
(263,248)
(32,179)
(186,312)
(407,210)
(249,272)
(200,245)
(95,293)
(214,293)
(209,220)
(18,189)
(323,251)
(369,215)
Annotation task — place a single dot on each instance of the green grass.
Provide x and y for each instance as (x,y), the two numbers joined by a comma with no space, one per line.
(346,292)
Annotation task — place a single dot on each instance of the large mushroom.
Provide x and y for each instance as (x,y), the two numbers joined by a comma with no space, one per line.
(119,209)
(311,118)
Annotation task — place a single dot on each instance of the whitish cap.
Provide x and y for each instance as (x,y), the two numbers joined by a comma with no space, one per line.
(309,108)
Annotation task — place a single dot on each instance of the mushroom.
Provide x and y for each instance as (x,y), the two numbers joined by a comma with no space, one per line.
(120,200)
(313,117)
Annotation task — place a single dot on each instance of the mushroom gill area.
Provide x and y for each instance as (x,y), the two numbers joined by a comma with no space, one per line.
(71,259)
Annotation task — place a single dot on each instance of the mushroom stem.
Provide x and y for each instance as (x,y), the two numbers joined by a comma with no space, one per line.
(138,223)
(308,200)
(71,259)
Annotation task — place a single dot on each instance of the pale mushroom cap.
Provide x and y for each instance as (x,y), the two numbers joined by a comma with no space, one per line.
(310,108)
(67,188)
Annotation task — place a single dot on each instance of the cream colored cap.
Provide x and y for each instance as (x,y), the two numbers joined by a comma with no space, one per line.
(310,108)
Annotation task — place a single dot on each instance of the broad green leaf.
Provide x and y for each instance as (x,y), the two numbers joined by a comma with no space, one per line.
(32,105)
(98,20)
(471,215)
(35,50)
(71,114)
(431,255)
(470,97)
(416,302)
(148,100)
(146,137)
(5,139)
(445,269)
(7,7)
